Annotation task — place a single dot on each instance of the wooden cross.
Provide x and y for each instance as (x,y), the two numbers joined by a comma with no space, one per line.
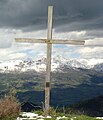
(49,41)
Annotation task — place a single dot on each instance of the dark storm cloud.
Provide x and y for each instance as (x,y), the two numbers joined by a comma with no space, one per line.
(69,15)
(22,13)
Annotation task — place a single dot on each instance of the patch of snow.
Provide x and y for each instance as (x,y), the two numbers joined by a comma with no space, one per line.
(58,118)
(48,117)
(33,116)
(101,118)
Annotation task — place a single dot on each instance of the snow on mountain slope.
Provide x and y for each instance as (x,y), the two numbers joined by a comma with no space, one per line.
(10,65)
(91,62)
(57,62)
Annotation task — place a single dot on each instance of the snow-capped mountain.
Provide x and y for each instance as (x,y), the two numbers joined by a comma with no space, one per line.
(57,62)
(91,62)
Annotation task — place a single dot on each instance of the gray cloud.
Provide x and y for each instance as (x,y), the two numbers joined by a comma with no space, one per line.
(69,15)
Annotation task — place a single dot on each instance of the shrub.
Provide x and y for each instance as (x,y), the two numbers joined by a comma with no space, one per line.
(9,107)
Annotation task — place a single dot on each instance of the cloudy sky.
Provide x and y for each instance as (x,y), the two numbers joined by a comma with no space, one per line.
(72,19)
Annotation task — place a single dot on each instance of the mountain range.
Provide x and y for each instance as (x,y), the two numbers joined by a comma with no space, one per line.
(72,80)
(57,63)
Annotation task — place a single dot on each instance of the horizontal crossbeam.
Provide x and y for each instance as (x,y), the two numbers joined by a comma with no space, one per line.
(72,42)
(31,40)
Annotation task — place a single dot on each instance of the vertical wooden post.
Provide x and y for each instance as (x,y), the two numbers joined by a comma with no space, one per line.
(48,66)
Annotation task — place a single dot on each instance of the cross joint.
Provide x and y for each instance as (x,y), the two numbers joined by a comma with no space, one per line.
(48,41)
